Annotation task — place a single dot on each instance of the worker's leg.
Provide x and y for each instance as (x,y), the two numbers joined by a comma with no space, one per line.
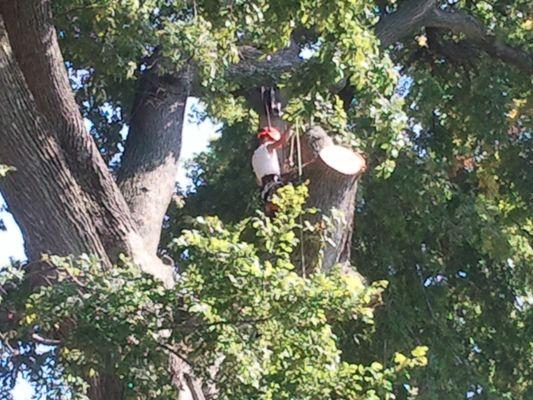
(271,183)
(271,209)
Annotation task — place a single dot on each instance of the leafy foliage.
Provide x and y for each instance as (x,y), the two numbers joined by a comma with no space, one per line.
(209,36)
(444,215)
(238,305)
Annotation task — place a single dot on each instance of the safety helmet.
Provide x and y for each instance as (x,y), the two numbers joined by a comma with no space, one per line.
(269,132)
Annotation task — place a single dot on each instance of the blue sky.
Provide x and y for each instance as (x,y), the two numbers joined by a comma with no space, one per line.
(196,137)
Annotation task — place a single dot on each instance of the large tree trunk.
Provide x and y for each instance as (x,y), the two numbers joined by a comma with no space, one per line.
(333,193)
(41,71)
(52,217)
(62,195)
(147,176)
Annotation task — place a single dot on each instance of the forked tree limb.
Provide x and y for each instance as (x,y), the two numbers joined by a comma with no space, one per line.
(33,40)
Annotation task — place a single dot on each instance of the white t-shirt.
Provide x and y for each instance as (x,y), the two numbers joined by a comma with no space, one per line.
(265,162)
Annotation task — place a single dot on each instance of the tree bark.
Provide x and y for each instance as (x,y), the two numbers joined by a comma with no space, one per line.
(334,194)
(147,176)
(34,42)
(61,194)
(105,387)
(51,216)
(34,45)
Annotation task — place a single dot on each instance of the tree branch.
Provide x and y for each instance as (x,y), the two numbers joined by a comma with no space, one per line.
(147,176)
(474,32)
(410,16)
(416,14)
(256,69)
(34,42)
(48,342)
(461,53)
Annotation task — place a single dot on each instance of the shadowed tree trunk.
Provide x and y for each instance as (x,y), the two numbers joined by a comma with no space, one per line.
(148,170)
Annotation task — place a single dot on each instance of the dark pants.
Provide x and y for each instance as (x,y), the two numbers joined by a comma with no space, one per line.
(269,185)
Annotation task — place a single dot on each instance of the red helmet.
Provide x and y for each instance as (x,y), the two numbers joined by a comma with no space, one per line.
(269,132)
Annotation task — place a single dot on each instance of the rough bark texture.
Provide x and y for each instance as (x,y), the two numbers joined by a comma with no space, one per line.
(148,172)
(51,216)
(105,387)
(33,40)
(334,194)
(253,70)
(62,194)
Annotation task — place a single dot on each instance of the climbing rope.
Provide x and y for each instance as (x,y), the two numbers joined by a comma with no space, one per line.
(300,219)
(267,102)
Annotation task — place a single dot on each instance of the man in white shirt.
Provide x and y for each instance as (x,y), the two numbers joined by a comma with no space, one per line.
(266,165)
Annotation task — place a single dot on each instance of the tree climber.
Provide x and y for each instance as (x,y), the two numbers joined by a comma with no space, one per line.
(266,166)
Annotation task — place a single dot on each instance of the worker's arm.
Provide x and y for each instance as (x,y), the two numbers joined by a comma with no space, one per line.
(284,136)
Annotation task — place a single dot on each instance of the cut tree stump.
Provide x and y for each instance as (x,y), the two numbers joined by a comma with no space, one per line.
(332,172)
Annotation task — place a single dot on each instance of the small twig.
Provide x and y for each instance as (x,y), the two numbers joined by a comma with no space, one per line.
(48,342)
(174,352)
(75,279)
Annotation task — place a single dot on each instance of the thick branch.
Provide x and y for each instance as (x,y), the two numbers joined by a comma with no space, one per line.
(410,16)
(51,216)
(256,69)
(147,177)
(474,32)
(462,52)
(416,14)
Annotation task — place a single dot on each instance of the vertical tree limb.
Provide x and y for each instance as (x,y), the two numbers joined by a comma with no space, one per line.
(52,217)
(147,176)
(35,47)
